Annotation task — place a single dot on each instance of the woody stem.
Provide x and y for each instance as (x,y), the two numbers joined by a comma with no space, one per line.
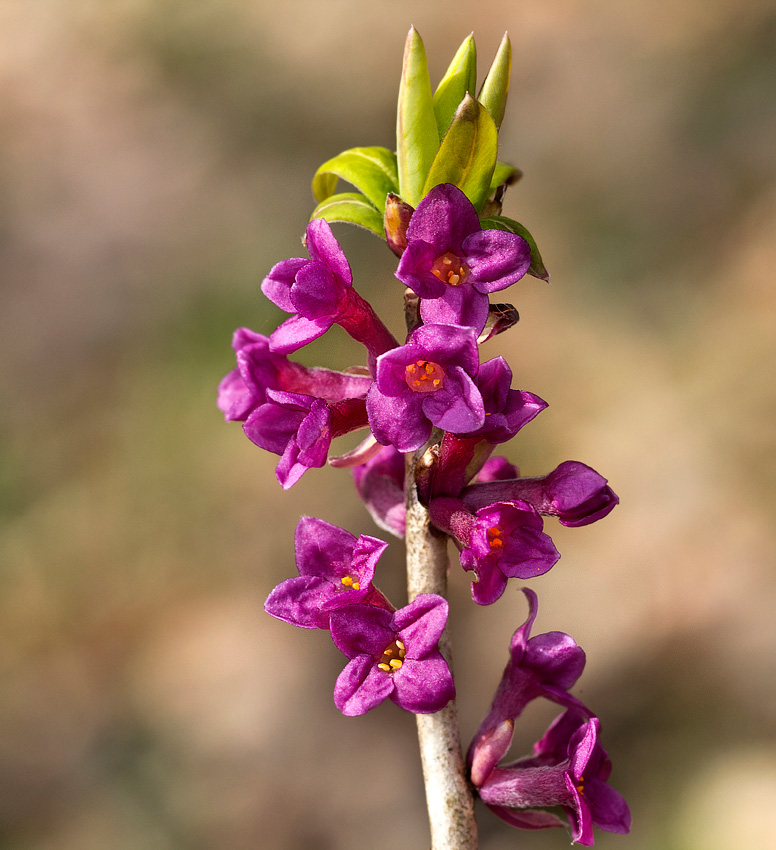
(448,794)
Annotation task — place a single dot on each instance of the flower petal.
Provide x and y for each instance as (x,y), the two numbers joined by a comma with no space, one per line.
(324,248)
(421,623)
(362,630)
(301,601)
(458,406)
(423,686)
(443,219)
(296,332)
(497,259)
(361,686)
(322,549)
(277,284)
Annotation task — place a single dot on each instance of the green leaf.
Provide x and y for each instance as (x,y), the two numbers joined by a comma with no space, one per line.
(417,137)
(503,173)
(372,170)
(467,156)
(351,208)
(460,78)
(501,222)
(494,91)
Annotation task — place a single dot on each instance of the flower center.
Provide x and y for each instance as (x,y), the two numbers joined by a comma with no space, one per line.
(349,583)
(423,376)
(393,657)
(450,268)
(495,540)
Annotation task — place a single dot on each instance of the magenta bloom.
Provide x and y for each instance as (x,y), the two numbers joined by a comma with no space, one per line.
(320,293)
(507,409)
(335,570)
(259,369)
(380,484)
(500,541)
(546,665)
(574,493)
(300,429)
(461,456)
(452,263)
(569,768)
(392,655)
(428,382)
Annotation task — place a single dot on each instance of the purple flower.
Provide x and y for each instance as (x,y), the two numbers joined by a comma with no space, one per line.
(335,570)
(392,655)
(452,263)
(259,369)
(428,382)
(546,665)
(500,541)
(569,768)
(574,493)
(320,292)
(506,411)
(380,484)
(300,429)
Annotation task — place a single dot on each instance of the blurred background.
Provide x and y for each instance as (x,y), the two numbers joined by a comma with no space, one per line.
(155,159)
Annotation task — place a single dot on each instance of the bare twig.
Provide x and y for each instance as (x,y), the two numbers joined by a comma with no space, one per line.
(448,794)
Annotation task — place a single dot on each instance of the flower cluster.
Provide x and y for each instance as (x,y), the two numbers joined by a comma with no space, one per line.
(569,767)
(432,411)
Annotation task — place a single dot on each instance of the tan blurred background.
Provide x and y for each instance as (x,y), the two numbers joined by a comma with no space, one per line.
(155,158)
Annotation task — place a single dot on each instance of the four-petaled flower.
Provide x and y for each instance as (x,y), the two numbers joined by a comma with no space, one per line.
(569,768)
(335,570)
(300,429)
(500,541)
(573,492)
(260,369)
(452,263)
(393,656)
(320,293)
(430,381)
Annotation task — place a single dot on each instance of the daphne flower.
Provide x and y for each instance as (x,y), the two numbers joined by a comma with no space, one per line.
(335,570)
(392,655)
(573,492)
(300,429)
(545,665)
(259,369)
(500,541)
(461,456)
(320,293)
(569,768)
(452,263)
(428,382)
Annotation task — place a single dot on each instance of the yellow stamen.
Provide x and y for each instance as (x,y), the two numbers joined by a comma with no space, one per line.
(393,657)
(450,269)
(347,581)
(424,376)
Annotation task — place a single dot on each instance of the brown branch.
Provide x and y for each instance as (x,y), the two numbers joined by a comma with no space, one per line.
(448,794)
